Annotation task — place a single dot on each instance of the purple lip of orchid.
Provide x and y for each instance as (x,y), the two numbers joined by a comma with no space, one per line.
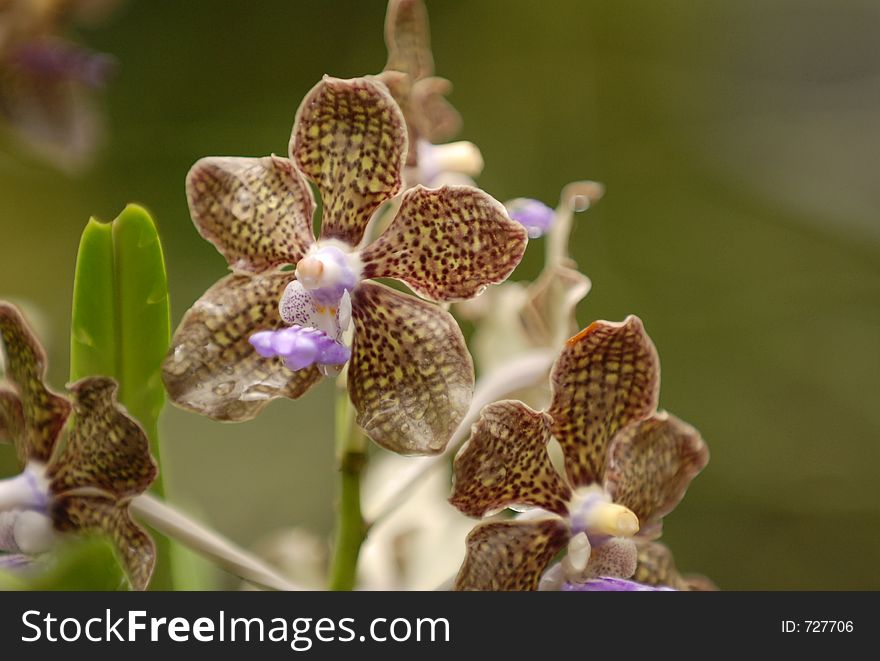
(534,215)
(300,347)
(608,584)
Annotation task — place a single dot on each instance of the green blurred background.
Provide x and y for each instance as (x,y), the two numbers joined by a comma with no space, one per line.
(739,143)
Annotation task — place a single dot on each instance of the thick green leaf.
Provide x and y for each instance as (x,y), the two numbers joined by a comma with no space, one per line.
(121,324)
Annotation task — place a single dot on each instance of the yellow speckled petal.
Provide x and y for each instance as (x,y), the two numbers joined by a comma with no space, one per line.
(650,465)
(106,449)
(43,411)
(350,139)
(104,515)
(256,211)
(447,243)
(510,555)
(408,38)
(410,378)
(505,462)
(607,376)
(656,566)
(437,120)
(213,370)
(12,422)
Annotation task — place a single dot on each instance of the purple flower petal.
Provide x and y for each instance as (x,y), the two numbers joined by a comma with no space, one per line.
(534,215)
(609,584)
(300,347)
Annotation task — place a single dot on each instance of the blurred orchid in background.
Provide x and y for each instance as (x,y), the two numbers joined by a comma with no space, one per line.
(87,484)
(48,82)
(430,118)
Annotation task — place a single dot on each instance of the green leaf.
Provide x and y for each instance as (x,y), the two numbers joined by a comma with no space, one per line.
(121,325)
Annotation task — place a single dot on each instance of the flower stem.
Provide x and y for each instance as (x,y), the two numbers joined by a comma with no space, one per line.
(176,525)
(351,530)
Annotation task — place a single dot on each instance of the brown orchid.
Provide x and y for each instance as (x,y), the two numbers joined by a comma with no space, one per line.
(84,485)
(430,118)
(626,466)
(267,331)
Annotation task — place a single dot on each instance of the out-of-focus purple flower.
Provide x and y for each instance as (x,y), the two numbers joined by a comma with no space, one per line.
(57,60)
(534,215)
(300,347)
(609,584)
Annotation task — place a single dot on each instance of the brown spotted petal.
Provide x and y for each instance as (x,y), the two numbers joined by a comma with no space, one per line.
(650,465)
(106,449)
(505,462)
(408,38)
(12,428)
(43,411)
(350,139)
(657,567)
(256,211)
(447,243)
(437,120)
(607,376)
(105,515)
(213,370)
(410,378)
(510,555)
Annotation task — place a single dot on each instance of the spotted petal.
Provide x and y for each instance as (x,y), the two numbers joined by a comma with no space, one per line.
(106,449)
(447,243)
(212,369)
(105,515)
(350,139)
(12,422)
(657,567)
(510,555)
(256,211)
(505,462)
(650,465)
(43,411)
(408,38)
(411,377)
(607,376)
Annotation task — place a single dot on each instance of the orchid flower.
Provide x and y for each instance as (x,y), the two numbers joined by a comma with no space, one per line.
(626,466)
(265,332)
(87,484)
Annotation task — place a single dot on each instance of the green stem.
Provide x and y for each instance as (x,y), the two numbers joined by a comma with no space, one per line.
(351,529)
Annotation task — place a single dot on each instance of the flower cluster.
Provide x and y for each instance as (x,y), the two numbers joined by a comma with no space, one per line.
(84,485)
